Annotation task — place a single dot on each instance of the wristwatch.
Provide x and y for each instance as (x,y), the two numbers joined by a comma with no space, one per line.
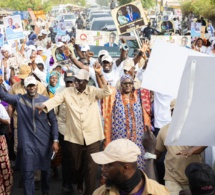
(56,140)
(149,156)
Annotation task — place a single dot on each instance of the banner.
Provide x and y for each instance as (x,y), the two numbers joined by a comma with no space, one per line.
(1,35)
(193,119)
(97,38)
(13,28)
(183,41)
(129,17)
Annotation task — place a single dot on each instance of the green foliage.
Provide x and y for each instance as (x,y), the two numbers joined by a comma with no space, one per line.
(205,8)
(102,2)
(23,5)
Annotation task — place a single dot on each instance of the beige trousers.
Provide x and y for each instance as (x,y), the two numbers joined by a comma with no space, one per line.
(174,187)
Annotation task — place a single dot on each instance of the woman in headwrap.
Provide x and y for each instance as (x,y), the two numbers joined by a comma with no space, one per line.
(126,112)
(53,82)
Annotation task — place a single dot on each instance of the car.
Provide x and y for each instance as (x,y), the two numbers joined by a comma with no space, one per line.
(105,24)
(96,15)
(69,19)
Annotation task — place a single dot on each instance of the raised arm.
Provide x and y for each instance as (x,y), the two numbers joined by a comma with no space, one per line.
(142,52)
(52,103)
(122,54)
(10,99)
(74,60)
(99,76)
(77,48)
(149,143)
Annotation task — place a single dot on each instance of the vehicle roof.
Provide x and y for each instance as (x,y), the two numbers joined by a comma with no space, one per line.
(98,19)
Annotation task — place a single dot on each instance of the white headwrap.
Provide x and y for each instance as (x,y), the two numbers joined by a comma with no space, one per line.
(7,48)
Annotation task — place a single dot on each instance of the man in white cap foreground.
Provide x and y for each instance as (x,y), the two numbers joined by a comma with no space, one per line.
(84,129)
(37,135)
(120,168)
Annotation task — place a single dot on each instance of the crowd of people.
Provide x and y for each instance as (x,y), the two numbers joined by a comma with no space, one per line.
(89,112)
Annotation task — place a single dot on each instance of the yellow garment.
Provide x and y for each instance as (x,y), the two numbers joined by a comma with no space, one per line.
(83,120)
(175,165)
(151,188)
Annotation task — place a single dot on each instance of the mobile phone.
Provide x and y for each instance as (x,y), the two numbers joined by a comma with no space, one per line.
(53,155)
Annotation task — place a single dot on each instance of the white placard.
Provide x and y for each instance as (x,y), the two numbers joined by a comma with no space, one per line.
(165,67)
(193,119)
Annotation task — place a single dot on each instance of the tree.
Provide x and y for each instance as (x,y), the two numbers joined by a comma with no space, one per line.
(102,2)
(205,8)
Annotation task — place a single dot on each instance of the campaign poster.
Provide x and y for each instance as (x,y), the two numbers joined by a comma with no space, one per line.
(183,41)
(61,28)
(97,38)
(196,29)
(13,27)
(14,45)
(129,17)
(1,35)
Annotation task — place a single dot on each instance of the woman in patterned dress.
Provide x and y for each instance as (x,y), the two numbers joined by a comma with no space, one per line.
(126,112)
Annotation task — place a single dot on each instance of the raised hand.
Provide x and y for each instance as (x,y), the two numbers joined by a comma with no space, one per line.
(149,140)
(67,51)
(98,68)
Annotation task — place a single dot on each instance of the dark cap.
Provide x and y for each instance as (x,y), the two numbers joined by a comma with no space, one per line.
(201,178)
(69,76)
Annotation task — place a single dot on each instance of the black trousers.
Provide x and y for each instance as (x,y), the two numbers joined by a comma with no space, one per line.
(66,164)
(83,168)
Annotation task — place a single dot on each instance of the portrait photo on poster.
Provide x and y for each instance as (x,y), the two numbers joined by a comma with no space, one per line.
(1,35)
(129,17)
(13,27)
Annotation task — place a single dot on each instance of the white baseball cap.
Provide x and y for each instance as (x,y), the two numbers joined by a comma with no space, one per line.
(103,52)
(44,32)
(107,58)
(40,34)
(128,64)
(64,39)
(60,44)
(30,80)
(85,48)
(121,150)
(82,74)
(39,48)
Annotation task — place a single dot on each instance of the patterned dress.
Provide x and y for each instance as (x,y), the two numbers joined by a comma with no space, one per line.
(125,117)
(127,121)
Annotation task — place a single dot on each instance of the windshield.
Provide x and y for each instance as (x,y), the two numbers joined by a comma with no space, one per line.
(114,52)
(99,16)
(98,25)
(69,17)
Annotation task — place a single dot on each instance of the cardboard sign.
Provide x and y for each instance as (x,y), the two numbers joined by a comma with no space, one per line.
(129,17)
(196,29)
(1,35)
(13,28)
(183,41)
(165,67)
(61,28)
(97,38)
(193,119)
